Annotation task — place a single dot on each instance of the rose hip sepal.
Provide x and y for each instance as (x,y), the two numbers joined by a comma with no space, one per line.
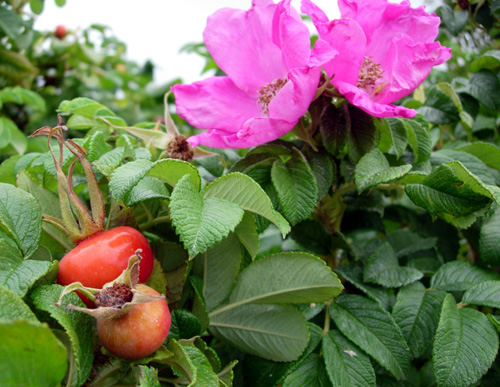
(133,320)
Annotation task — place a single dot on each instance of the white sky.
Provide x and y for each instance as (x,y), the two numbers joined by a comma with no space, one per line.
(154,29)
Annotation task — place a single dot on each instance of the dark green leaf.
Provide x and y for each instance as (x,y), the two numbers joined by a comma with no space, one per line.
(455,21)
(461,275)
(310,372)
(405,242)
(439,108)
(485,87)
(185,325)
(416,311)
(399,135)
(346,364)
(489,239)
(372,328)
(485,293)
(489,60)
(334,127)
(465,345)
(363,135)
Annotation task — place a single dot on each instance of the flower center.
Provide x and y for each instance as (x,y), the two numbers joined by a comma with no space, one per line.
(268,92)
(369,74)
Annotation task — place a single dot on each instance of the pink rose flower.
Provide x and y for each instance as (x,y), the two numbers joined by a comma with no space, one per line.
(377,52)
(265,53)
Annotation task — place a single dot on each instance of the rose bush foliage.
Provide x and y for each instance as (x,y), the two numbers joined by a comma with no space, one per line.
(328,214)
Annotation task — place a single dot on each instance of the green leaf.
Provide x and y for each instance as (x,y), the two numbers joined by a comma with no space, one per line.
(77,325)
(185,325)
(484,293)
(310,372)
(465,345)
(372,328)
(458,276)
(485,87)
(149,377)
(399,135)
(296,187)
(346,364)
(219,266)
(354,274)
(82,106)
(363,135)
(405,242)
(181,361)
(79,122)
(20,218)
(199,306)
(247,234)
(5,133)
(374,169)
(416,311)
(12,307)
(452,193)
(382,268)
(439,108)
(419,140)
(275,332)
(455,21)
(244,191)
(292,277)
(205,376)
(147,188)
(323,169)
(489,239)
(488,153)
(109,161)
(201,223)
(334,127)
(126,177)
(489,60)
(10,23)
(30,355)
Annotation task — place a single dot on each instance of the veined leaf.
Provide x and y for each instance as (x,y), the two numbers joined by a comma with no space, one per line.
(201,223)
(416,311)
(245,192)
(310,372)
(489,60)
(458,276)
(147,188)
(296,187)
(30,354)
(465,345)
(484,293)
(12,307)
(78,327)
(346,364)
(20,218)
(374,169)
(419,140)
(205,375)
(452,193)
(285,278)
(486,152)
(274,332)
(382,268)
(247,234)
(399,134)
(372,328)
(405,242)
(489,239)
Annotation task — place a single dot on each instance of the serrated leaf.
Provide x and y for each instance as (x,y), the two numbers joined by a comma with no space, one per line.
(374,169)
(149,377)
(488,153)
(465,345)
(346,364)
(77,325)
(452,193)
(458,276)
(416,311)
(419,140)
(399,134)
(310,372)
(247,234)
(12,307)
(489,239)
(334,127)
(296,187)
(219,266)
(439,108)
(405,242)
(244,191)
(20,275)
(382,268)
(354,274)
(181,361)
(201,223)
(205,376)
(83,106)
(124,178)
(293,277)
(147,188)
(185,325)
(109,161)
(324,170)
(372,328)
(274,332)
(485,293)
(363,135)
(30,355)
(489,60)
(20,218)
(485,87)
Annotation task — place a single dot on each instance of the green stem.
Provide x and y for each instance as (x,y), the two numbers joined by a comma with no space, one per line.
(326,326)
(154,222)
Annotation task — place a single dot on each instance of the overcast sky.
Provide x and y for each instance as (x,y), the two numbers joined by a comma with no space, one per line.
(155,29)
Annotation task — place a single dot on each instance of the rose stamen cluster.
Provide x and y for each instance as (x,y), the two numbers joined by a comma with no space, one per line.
(268,92)
(369,74)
